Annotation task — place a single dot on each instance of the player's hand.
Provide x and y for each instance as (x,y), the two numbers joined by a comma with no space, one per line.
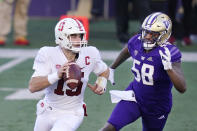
(111,76)
(166,59)
(62,70)
(97,89)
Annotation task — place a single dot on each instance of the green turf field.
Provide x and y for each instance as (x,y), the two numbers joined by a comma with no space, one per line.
(19,115)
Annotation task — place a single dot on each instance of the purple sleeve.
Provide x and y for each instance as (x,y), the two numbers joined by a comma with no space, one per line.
(175,53)
(132,42)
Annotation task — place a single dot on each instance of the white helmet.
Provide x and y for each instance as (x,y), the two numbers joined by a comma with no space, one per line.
(160,26)
(66,27)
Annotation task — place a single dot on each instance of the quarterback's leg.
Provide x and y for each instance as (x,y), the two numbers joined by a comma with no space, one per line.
(69,121)
(42,123)
(124,113)
(44,117)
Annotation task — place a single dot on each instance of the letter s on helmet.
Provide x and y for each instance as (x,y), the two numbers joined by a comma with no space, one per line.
(158,23)
(66,27)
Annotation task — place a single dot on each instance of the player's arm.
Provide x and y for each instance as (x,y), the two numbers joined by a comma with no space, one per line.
(177,77)
(101,82)
(102,72)
(39,83)
(174,70)
(102,79)
(123,55)
(105,74)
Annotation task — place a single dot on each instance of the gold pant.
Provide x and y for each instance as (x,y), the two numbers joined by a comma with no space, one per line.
(20,17)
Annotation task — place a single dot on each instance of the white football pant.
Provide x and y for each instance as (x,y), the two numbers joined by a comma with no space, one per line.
(50,119)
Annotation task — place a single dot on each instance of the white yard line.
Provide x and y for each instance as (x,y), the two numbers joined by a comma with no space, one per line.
(25,94)
(106,55)
(12,63)
(9,89)
(22,94)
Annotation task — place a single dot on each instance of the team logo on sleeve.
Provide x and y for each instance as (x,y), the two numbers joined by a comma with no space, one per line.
(57,66)
(135,52)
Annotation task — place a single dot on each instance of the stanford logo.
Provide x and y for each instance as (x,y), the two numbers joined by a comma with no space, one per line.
(58,66)
(42,104)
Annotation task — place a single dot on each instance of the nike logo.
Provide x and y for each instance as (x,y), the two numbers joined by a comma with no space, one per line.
(161,117)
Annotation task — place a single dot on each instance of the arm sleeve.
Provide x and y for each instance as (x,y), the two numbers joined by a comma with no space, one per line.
(175,54)
(132,43)
(99,66)
(41,63)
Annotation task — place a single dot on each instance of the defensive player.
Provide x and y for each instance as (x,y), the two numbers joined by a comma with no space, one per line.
(62,108)
(156,68)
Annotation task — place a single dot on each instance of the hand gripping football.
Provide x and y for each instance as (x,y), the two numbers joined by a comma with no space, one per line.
(73,75)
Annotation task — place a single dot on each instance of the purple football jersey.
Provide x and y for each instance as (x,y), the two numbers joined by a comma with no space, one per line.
(152,85)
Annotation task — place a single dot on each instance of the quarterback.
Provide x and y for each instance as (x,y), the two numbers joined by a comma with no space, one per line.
(156,68)
(62,108)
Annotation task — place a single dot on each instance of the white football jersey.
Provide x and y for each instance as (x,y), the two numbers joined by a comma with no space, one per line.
(58,95)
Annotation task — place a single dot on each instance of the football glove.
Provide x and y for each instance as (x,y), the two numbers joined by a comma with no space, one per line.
(111,76)
(166,59)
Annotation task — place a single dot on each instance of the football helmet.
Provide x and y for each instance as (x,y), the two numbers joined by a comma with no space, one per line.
(157,25)
(63,31)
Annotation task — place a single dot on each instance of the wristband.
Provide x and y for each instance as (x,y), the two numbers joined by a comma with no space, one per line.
(102,82)
(52,78)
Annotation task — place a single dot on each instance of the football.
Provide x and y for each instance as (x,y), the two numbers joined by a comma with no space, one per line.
(73,75)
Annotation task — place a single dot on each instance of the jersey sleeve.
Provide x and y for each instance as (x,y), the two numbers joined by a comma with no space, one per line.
(132,43)
(175,53)
(41,63)
(99,65)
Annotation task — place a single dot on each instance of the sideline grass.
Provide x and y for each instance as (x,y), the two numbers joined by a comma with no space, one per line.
(102,34)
